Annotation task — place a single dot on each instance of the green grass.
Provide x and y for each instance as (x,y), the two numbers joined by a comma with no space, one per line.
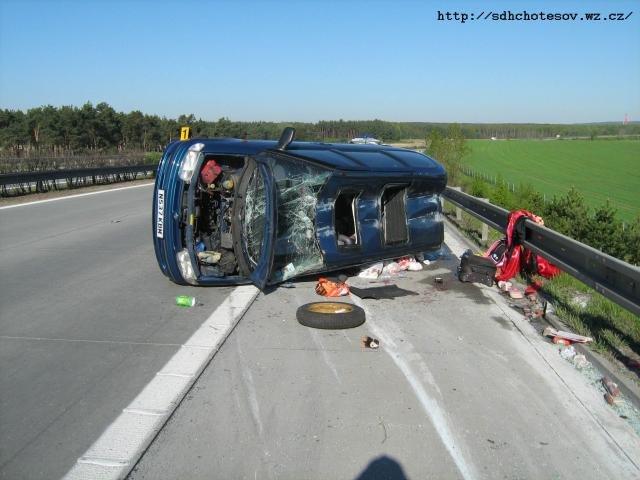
(616,331)
(599,169)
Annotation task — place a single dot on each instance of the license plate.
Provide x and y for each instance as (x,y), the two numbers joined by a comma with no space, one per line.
(160,215)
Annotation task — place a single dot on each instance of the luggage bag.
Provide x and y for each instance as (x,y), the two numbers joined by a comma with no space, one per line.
(475,268)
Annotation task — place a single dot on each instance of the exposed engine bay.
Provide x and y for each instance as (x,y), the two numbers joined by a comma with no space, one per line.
(217,181)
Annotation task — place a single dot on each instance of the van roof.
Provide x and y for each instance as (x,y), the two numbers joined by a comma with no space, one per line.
(340,156)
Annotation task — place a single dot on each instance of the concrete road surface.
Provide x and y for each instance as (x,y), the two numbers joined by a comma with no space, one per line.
(86,320)
(461,387)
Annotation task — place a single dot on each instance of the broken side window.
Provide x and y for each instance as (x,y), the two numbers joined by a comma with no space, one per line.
(345,218)
(297,187)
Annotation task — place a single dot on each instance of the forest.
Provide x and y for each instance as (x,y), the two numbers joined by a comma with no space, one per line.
(70,130)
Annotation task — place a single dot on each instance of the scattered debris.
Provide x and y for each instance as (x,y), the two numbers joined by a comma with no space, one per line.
(438,282)
(608,389)
(185,301)
(561,341)
(391,268)
(568,353)
(572,337)
(531,291)
(580,361)
(368,342)
(611,387)
(409,263)
(372,272)
(539,311)
(328,288)
(535,308)
(633,364)
(610,399)
(515,293)
(496,445)
(581,300)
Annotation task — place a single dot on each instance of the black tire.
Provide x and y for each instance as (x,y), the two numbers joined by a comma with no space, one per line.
(330,315)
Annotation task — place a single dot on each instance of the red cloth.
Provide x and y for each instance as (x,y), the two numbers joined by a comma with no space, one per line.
(517,256)
(511,267)
(210,172)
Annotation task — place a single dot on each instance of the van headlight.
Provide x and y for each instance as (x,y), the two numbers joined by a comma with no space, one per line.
(184,264)
(190,161)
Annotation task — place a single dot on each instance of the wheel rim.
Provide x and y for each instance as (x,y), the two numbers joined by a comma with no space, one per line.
(330,307)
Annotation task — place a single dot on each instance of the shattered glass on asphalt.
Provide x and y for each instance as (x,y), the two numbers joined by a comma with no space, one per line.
(297,186)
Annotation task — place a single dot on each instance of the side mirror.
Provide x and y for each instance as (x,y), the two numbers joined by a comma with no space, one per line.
(286,138)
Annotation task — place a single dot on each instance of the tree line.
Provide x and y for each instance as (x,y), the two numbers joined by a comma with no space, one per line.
(568,214)
(49,130)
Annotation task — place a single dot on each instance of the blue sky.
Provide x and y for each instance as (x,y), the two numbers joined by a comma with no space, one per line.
(314,60)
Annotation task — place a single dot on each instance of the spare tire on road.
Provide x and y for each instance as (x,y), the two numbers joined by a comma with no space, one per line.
(330,315)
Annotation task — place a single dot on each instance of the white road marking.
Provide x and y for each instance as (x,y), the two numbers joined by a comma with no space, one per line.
(252,395)
(247,378)
(122,444)
(75,196)
(402,358)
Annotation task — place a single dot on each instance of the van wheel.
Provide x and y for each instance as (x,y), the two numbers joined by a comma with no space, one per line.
(330,315)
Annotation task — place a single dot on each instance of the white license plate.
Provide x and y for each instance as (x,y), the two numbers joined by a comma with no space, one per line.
(160,215)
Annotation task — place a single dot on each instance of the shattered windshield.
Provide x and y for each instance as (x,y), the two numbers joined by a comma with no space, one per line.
(254,216)
(297,186)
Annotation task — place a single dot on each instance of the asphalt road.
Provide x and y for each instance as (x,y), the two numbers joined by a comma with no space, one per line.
(461,386)
(86,320)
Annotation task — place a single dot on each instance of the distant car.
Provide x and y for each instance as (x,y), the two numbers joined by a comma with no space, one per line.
(366,140)
(229,211)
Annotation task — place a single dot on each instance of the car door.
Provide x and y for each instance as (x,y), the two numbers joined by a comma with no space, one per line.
(254,221)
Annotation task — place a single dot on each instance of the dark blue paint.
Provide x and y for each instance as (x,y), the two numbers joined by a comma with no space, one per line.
(365,169)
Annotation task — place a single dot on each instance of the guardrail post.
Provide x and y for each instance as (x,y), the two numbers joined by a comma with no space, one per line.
(458,209)
(485,228)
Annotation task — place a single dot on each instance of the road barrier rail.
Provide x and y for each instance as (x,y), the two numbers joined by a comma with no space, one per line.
(613,278)
(21,183)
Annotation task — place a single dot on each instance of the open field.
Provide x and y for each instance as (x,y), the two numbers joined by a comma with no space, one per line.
(600,169)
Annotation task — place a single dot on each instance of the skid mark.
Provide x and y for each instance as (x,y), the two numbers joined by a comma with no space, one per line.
(403,358)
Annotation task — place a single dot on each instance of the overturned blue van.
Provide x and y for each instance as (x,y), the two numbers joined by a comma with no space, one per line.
(230,211)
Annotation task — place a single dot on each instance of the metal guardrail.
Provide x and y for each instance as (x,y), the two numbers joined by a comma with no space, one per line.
(613,278)
(42,181)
